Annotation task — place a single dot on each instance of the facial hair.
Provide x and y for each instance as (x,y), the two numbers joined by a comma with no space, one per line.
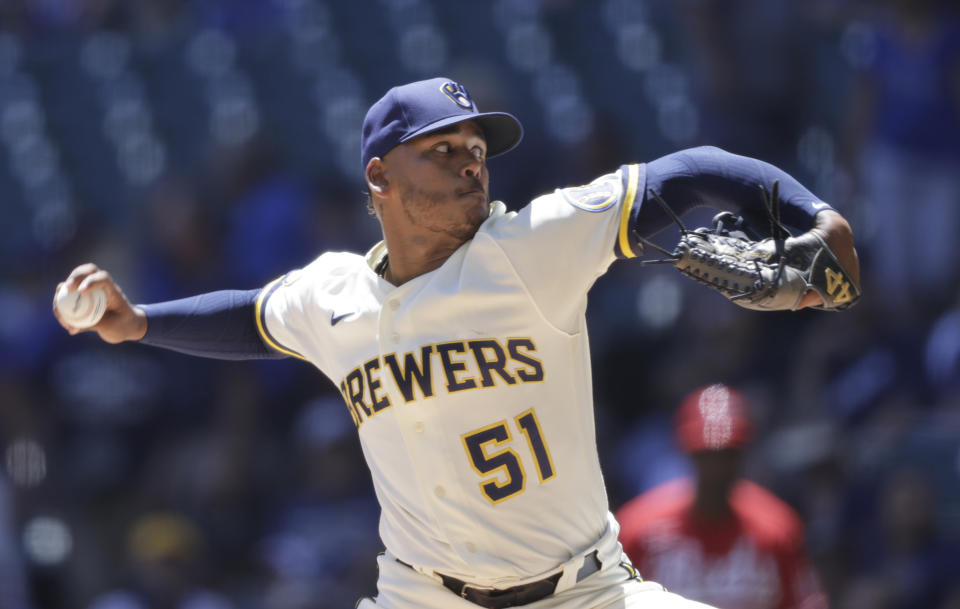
(426,208)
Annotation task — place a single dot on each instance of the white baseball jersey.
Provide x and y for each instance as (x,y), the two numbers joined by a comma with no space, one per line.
(470,385)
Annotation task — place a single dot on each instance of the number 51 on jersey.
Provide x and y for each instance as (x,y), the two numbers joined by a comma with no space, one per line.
(490,450)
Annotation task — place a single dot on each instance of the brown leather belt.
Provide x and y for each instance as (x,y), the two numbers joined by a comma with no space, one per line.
(517,596)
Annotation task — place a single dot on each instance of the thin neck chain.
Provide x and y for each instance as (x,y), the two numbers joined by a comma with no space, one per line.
(382,267)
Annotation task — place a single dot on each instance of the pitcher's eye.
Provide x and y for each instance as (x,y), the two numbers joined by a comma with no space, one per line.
(442,147)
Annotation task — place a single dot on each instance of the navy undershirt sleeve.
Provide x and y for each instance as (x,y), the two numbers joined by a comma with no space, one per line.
(220,325)
(710,177)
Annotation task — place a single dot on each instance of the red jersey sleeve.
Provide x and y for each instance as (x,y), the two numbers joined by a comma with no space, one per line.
(778,528)
(639,516)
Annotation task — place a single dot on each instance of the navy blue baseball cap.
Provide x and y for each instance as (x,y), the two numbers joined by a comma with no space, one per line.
(427,105)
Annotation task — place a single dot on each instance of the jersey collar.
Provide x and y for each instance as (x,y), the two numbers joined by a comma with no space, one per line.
(376,255)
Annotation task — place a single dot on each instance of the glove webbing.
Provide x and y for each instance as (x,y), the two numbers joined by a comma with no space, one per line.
(751,273)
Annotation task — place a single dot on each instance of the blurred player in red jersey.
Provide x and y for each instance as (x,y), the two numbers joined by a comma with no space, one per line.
(719,539)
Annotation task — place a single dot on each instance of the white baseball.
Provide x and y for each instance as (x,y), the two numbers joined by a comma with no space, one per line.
(81,310)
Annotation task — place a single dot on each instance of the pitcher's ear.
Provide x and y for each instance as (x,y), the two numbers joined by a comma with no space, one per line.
(376,177)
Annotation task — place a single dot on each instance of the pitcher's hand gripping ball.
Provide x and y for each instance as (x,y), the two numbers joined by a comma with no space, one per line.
(765,274)
(81,310)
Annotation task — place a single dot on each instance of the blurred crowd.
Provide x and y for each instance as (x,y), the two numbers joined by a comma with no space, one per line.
(195,145)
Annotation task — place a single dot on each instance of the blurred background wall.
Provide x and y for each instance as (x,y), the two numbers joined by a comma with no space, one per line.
(195,145)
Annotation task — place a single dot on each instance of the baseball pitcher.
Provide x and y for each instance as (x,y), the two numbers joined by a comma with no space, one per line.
(459,342)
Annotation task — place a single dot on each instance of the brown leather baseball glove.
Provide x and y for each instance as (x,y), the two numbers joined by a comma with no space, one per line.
(766,274)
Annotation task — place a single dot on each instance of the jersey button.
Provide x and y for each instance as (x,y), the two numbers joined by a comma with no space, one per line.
(440,492)
(418,427)
(395,338)
(394,304)
(471,547)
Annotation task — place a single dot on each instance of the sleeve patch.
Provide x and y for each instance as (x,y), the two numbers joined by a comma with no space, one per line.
(291,277)
(599,195)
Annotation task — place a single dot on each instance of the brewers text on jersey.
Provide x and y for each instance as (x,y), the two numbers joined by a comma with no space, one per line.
(510,361)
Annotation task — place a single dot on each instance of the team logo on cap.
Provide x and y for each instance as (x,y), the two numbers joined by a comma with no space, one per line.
(458,94)
(715,408)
